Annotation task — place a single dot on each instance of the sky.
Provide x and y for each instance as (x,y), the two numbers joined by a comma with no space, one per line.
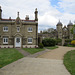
(49,11)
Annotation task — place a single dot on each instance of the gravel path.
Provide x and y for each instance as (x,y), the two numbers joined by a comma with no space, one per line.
(57,53)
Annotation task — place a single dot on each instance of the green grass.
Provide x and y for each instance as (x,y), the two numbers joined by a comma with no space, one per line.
(33,50)
(69,61)
(70,46)
(53,47)
(9,55)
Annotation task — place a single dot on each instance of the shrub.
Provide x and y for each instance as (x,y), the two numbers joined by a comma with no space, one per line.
(58,41)
(41,45)
(73,42)
(68,40)
(65,44)
(49,42)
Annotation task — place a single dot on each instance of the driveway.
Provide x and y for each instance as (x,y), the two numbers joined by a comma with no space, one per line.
(50,63)
(57,53)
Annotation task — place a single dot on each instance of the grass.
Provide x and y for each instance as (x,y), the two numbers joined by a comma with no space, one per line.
(33,50)
(9,55)
(69,61)
(52,47)
(70,45)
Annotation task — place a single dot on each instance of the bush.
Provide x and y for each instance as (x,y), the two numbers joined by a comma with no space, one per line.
(58,41)
(49,42)
(73,42)
(65,44)
(41,45)
(68,40)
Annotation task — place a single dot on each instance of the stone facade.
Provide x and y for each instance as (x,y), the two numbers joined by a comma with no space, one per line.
(42,35)
(60,32)
(64,32)
(18,32)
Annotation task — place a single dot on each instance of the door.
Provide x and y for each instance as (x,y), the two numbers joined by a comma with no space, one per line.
(18,42)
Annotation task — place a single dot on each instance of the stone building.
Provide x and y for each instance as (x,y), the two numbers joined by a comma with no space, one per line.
(60,32)
(43,35)
(18,32)
(64,32)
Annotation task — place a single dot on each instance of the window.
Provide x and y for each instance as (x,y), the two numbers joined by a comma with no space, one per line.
(29,40)
(5,29)
(5,40)
(30,29)
(65,29)
(18,40)
(18,29)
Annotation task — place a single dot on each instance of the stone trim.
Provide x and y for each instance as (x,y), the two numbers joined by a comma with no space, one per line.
(30,46)
(6,46)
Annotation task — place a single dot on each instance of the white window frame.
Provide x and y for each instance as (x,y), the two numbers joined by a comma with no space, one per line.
(30,39)
(18,29)
(5,29)
(5,40)
(30,29)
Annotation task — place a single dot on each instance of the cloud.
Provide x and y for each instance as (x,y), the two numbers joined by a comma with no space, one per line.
(48,15)
(67,5)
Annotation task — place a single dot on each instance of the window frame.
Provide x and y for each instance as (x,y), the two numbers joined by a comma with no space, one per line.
(5,40)
(30,39)
(18,28)
(5,28)
(30,29)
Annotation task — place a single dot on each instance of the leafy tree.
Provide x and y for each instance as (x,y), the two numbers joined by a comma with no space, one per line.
(72,29)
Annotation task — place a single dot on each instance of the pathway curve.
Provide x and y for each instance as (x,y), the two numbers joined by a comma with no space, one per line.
(50,63)
(57,53)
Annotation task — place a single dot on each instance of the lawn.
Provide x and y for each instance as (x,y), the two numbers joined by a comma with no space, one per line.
(33,50)
(9,55)
(69,61)
(53,47)
(70,46)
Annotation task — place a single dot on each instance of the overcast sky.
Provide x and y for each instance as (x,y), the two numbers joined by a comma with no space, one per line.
(49,11)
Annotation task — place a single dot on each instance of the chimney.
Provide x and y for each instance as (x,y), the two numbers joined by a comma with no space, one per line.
(36,15)
(0,13)
(27,17)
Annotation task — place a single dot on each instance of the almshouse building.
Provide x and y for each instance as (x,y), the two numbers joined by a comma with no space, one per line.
(18,32)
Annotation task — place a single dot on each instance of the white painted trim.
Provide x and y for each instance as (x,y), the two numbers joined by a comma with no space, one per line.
(28,29)
(5,28)
(30,42)
(16,44)
(5,40)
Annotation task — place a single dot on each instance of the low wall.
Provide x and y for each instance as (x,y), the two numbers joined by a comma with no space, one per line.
(6,46)
(24,46)
(30,46)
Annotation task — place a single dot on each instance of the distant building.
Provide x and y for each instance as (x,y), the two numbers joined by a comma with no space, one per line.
(60,32)
(18,32)
(43,35)
(64,32)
